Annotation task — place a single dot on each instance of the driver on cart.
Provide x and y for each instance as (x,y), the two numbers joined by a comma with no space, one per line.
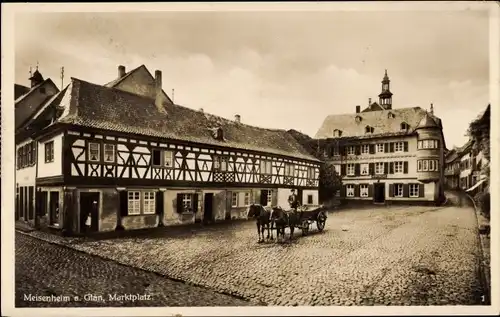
(293,201)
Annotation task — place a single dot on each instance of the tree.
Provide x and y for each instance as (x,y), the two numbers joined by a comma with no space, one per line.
(479,132)
(329,182)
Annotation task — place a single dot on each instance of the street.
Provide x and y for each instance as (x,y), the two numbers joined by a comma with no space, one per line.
(382,256)
(44,269)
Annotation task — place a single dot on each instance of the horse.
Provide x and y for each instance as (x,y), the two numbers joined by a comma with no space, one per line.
(283,219)
(263,220)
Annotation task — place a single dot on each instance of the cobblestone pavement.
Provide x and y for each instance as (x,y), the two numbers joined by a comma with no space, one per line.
(383,256)
(44,269)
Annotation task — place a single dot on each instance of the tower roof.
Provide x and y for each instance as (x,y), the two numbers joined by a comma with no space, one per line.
(427,122)
(386,77)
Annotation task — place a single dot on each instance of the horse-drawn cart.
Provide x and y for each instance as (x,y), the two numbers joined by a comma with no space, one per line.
(308,215)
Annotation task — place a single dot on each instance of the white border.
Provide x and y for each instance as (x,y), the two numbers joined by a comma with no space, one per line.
(8,146)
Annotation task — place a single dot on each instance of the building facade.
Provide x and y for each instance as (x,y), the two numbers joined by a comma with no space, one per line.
(386,155)
(124,156)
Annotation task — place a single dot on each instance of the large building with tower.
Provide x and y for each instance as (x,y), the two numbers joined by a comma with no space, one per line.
(386,154)
(124,156)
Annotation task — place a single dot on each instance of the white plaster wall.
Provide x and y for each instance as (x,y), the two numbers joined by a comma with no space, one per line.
(312,192)
(53,168)
(27,175)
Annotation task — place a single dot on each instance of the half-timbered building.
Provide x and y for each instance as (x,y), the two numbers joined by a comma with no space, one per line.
(124,156)
(386,155)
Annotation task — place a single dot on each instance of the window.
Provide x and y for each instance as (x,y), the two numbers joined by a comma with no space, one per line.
(363,190)
(404,126)
(431,165)
(350,190)
(336,151)
(234,199)
(337,133)
(187,202)
(428,144)
(49,152)
(311,173)
(109,153)
(134,203)
(364,169)
(246,199)
(365,149)
(398,190)
(398,167)
(380,148)
(419,166)
(350,169)
(94,152)
(379,168)
(350,150)
(414,190)
(391,115)
(358,119)
(265,167)
(310,199)
(398,147)
(149,203)
(162,158)
(425,165)
(220,163)
(289,169)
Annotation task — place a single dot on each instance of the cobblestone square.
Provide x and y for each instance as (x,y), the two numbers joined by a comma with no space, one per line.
(382,256)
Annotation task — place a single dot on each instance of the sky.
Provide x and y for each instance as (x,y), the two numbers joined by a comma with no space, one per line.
(275,69)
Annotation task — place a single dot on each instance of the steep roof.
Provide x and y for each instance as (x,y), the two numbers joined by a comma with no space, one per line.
(20,90)
(383,124)
(427,122)
(101,107)
(24,110)
(115,82)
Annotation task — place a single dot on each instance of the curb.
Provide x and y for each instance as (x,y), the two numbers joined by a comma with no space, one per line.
(142,269)
(485,280)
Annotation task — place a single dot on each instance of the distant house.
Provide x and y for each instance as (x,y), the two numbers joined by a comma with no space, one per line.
(386,154)
(124,156)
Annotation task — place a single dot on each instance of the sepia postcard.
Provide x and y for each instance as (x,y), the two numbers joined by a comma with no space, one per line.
(247,159)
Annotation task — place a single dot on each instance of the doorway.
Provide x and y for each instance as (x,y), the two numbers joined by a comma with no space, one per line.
(89,206)
(208,203)
(31,199)
(54,208)
(379,192)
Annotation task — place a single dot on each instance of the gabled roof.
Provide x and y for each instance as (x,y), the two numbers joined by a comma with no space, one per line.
(379,120)
(20,90)
(24,110)
(373,107)
(115,82)
(95,106)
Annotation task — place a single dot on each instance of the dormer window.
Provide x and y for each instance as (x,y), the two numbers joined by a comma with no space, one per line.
(404,126)
(218,134)
(42,90)
(391,115)
(358,119)
(337,133)
(369,129)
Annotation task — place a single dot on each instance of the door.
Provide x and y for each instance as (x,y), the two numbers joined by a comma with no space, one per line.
(89,207)
(263,197)
(208,208)
(54,208)
(300,197)
(379,192)
(31,210)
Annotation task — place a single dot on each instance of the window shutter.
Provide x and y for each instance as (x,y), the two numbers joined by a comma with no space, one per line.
(386,167)
(123,203)
(179,203)
(391,167)
(391,147)
(356,169)
(356,190)
(357,149)
(386,147)
(421,192)
(371,168)
(370,190)
(195,202)
(343,170)
(342,191)
(405,167)
(372,148)
(159,203)
(391,190)
(405,190)
(405,146)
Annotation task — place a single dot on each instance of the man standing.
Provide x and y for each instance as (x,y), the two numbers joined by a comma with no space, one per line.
(293,200)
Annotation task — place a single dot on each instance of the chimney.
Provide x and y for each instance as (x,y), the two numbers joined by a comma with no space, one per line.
(121,71)
(159,91)
(369,102)
(432,109)
(237,118)
(358,109)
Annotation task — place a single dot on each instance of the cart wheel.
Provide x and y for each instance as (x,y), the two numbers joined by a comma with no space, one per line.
(321,221)
(305,227)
